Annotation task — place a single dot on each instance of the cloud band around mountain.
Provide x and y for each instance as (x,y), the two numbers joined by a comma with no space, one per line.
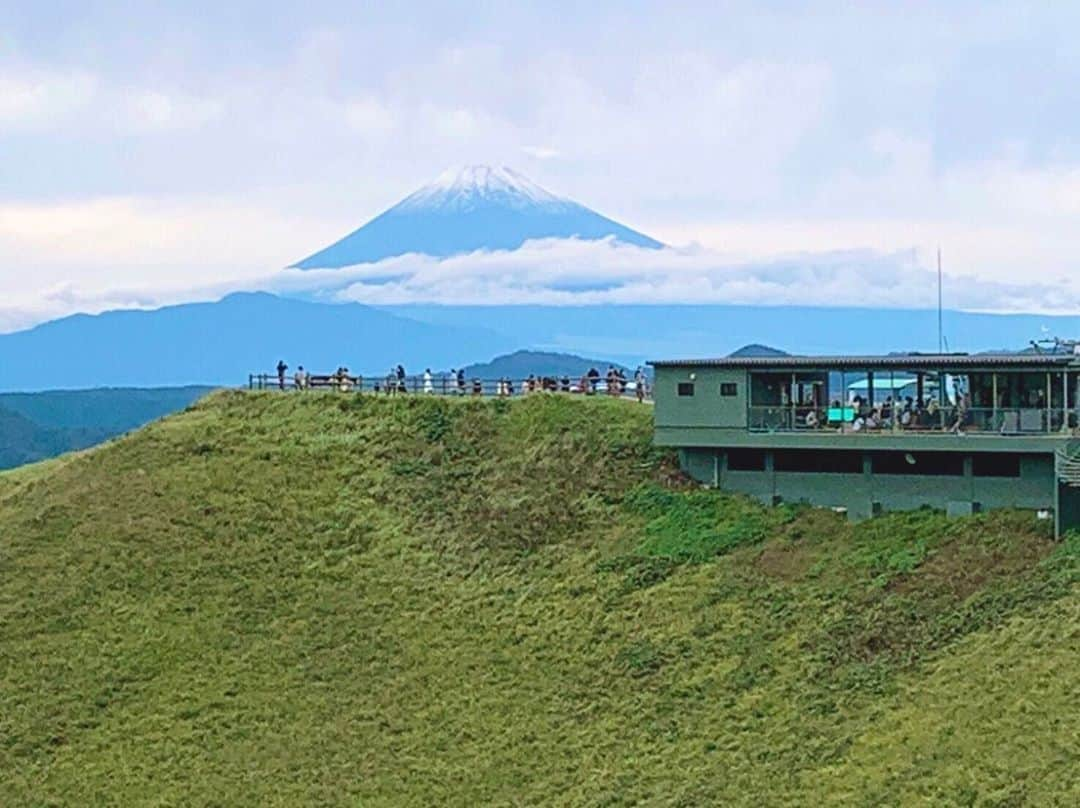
(577,272)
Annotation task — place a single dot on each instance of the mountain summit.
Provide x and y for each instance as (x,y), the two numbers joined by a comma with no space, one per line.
(475,208)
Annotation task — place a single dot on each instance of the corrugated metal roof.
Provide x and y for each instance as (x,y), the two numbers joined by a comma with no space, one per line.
(894,361)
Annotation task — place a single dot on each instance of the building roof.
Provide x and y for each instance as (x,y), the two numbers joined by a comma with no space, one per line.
(912,361)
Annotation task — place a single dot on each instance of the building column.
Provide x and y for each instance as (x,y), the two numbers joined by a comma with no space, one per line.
(1049,398)
(770,470)
(994,402)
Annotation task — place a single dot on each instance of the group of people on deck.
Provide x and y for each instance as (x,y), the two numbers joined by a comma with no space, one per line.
(398,382)
(909,414)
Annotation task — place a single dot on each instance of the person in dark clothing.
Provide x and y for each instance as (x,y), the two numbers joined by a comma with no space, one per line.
(461,382)
(594,379)
(281,368)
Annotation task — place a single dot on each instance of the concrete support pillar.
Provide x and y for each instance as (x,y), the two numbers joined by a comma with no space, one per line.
(770,473)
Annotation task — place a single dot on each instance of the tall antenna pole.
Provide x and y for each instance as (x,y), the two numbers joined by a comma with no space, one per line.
(940,331)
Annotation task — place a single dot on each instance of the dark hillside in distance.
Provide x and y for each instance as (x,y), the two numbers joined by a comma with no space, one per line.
(117,409)
(23,441)
(37,426)
(522,364)
(756,350)
(341,600)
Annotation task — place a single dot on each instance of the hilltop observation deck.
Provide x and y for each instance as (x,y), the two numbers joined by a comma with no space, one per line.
(443,384)
(868,433)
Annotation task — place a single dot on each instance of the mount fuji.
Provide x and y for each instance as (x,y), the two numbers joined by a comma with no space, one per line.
(476,208)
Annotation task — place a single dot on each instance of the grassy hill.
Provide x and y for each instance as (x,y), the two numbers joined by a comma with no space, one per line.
(280,600)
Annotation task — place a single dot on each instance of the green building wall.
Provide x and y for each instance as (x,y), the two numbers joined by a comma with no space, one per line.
(864,494)
(706,407)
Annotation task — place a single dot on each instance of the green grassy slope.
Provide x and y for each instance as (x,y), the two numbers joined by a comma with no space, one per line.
(279,600)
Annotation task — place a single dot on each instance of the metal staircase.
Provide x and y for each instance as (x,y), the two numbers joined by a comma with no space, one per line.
(1067,463)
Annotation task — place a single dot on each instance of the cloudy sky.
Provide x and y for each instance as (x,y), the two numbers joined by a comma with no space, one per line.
(153,152)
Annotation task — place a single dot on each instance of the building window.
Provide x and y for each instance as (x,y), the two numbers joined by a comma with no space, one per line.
(995,464)
(686,388)
(820,461)
(729,389)
(746,460)
(939,464)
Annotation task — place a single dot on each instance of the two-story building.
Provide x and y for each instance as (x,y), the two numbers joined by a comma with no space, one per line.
(868,434)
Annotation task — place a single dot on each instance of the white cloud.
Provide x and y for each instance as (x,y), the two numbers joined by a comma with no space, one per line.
(369,116)
(576,272)
(147,111)
(564,272)
(541,152)
(42,99)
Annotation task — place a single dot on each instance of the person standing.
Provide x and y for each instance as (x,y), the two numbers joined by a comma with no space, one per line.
(639,384)
(300,378)
(281,368)
(429,386)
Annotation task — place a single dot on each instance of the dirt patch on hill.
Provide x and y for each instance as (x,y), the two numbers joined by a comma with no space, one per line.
(959,569)
(788,561)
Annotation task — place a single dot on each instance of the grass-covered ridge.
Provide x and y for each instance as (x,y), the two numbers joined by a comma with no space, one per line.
(339,600)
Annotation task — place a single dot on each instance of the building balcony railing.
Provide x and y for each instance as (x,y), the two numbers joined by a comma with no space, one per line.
(933,420)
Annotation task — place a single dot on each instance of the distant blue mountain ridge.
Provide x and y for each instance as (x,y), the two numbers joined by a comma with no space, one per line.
(220,343)
(478,208)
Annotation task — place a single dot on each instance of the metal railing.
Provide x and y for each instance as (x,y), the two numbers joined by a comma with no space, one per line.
(850,418)
(444,385)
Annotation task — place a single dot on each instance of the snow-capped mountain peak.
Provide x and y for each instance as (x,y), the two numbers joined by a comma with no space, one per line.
(470,209)
(478,184)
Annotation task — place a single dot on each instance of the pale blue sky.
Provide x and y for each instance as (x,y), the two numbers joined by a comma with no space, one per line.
(150,149)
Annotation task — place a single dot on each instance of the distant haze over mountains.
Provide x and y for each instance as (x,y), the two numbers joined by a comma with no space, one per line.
(475,208)
(478,209)
(222,342)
